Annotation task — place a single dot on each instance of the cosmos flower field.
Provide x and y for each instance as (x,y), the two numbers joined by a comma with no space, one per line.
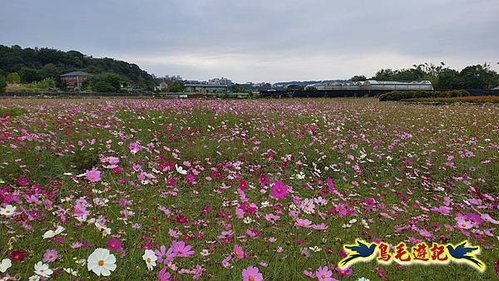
(142,189)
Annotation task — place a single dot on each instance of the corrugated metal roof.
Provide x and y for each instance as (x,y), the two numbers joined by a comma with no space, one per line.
(76,73)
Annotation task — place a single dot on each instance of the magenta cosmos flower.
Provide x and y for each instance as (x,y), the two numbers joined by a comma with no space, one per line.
(252,273)
(93,175)
(113,244)
(279,190)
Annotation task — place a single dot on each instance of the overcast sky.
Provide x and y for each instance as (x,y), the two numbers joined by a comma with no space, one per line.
(261,40)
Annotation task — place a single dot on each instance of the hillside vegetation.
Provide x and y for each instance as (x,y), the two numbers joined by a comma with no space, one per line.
(38,64)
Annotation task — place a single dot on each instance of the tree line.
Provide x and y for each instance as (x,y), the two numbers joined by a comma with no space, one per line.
(442,77)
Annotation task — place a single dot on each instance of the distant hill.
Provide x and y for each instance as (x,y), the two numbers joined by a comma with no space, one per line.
(37,64)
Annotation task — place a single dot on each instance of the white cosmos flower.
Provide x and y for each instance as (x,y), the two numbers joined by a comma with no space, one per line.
(71,271)
(7,210)
(6,264)
(101,262)
(150,258)
(34,278)
(43,269)
(180,170)
(52,233)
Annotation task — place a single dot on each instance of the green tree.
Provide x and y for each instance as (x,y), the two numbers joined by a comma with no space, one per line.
(384,75)
(3,84)
(13,78)
(29,75)
(49,71)
(176,86)
(358,78)
(102,86)
(238,88)
(478,77)
(107,82)
(447,79)
(294,88)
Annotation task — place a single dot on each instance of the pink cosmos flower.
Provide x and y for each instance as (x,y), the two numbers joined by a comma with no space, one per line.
(225,261)
(253,233)
(93,175)
(80,211)
(238,251)
(463,223)
(487,217)
(181,250)
(303,223)
(279,190)
(344,272)
(164,275)
(444,210)
(50,256)
(173,233)
(263,180)
(164,256)
(321,226)
(330,185)
(22,181)
(134,147)
(252,273)
(324,274)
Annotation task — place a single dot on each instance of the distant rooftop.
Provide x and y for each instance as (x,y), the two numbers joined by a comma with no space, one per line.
(204,85)
(76,73)
(375,82)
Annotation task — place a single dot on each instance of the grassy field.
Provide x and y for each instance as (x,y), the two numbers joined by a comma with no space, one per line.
(215,188)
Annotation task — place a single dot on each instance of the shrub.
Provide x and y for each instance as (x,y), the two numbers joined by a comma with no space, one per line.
(404,95)
(454,94)
(400,95)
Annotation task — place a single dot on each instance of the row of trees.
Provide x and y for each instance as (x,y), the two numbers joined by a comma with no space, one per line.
(38,64)
(441,76)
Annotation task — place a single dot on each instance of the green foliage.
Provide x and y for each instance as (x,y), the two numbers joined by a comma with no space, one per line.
(358,78)
(176,86)
(103,87)
(294,88)
(29,75)
(447,79)
(453,94)
(38,64)
(478,77)
(3,84)
(45,85)
(13,78)
(444,78)
(107,82)
(403,95)
(238,88)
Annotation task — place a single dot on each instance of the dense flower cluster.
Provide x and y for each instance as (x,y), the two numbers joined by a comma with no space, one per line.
(239,190)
